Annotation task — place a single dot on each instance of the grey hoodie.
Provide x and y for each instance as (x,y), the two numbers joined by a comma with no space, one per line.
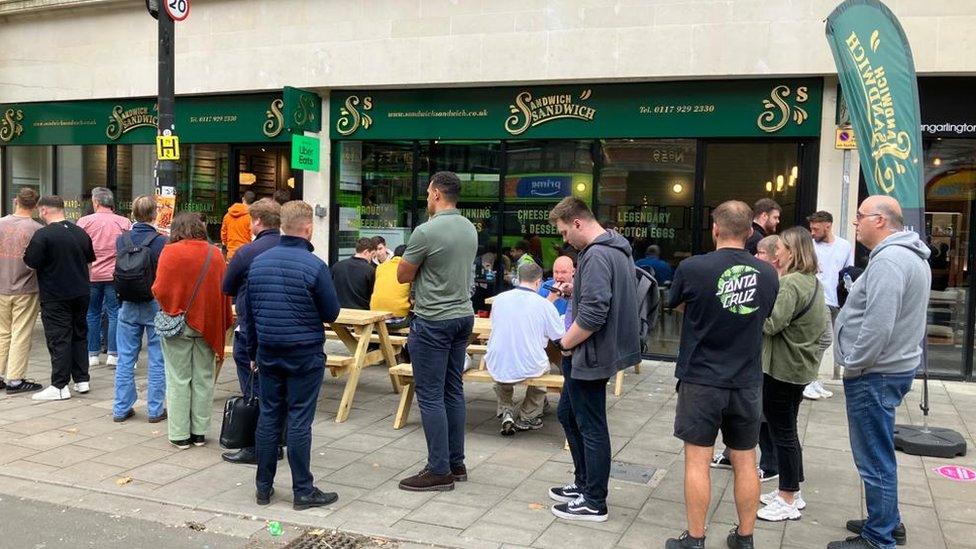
(880,328)
(605,302)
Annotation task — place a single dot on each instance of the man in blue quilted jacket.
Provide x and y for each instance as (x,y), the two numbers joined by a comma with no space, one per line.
(289,297)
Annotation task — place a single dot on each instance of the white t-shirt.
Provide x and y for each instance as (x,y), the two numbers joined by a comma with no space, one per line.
(522,323)
(832,258)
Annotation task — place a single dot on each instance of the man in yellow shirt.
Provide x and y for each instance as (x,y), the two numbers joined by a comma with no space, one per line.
(390,295)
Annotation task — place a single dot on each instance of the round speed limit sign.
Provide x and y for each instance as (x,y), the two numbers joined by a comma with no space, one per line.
(178,10)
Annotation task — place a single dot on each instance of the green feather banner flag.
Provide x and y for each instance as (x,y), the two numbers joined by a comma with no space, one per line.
(877,77)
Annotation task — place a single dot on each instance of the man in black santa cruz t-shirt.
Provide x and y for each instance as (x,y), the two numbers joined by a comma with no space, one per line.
(726,295)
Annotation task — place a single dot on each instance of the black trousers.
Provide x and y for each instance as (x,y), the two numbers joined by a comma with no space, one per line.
(781,405)
(66,331)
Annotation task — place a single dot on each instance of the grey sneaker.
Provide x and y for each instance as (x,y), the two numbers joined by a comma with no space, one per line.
(508,425)
(528,424)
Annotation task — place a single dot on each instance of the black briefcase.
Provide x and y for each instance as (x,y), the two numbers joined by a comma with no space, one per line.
(240,420)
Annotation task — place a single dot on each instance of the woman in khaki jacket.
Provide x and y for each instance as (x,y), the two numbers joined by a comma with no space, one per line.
(791,357)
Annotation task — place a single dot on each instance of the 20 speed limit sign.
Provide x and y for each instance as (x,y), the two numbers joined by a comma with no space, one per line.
(178,10)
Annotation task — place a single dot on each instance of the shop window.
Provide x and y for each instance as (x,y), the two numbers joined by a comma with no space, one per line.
(950,189)
(374,193)
(646,192)
(202,182)
(539,175)
(134,166)
(26,167)
(748,172)
(81,168)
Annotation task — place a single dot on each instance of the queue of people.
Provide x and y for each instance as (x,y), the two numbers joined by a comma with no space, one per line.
(749,354)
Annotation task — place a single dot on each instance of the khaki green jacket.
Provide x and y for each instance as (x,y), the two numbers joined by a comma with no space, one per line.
(791,348)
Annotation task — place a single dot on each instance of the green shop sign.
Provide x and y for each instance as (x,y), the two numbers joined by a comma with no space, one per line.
(228,119)
(738,108)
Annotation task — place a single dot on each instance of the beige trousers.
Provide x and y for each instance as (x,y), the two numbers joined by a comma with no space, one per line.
(531,407)
(18,314)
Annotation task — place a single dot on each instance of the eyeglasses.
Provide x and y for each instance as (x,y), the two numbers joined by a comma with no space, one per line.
(861,216)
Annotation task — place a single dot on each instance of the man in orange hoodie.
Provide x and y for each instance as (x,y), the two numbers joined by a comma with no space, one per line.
(235,231)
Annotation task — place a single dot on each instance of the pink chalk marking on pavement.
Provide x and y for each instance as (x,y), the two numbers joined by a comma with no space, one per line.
(956,473)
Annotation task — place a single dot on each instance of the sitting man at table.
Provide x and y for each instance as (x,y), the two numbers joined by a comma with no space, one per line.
(562,273)
(389,294)
(285,337)
(354,276)
(523,323)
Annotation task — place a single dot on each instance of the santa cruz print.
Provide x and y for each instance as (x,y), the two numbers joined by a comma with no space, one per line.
(737,289)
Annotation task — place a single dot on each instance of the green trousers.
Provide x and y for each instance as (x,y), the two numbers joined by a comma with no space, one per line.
(189,384)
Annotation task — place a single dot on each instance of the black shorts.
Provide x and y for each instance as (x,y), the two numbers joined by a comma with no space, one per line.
(704,410)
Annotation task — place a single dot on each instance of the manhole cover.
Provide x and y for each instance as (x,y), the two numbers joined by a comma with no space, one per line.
(317,539)
(628,472)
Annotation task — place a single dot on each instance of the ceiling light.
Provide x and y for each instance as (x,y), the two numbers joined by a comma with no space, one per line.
(677,188)
(779,183)
(937,161)
(769,186)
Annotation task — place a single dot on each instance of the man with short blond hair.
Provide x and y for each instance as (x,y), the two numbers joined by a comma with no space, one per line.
(285,336)
(18,294)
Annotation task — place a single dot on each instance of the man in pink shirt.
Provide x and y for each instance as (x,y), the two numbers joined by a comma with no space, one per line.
(104,227)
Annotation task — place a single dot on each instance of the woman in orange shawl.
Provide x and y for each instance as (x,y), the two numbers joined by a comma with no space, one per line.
(190,356)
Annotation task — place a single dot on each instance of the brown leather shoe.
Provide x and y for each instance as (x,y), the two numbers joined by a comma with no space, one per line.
(460,473)
(425,481)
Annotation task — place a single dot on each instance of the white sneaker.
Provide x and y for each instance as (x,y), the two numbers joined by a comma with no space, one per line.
(767,499)
(82,387)
(779,510)
(810,391)
(93,360)
(112,360)
(53,393)
(823,390)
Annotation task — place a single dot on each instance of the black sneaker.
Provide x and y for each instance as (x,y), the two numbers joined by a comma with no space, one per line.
(2,384)
(317,498)
(125,416)
(25,386)
(738,541)
(263,499)
(766,477)
(198,440)
(720,462)
(685,541)
(900,534)
(181,444)
(853,542)
(564,494)
(579,509)
(528,424)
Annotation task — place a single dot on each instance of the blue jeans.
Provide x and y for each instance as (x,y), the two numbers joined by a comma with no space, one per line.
(582,411)
(133,319)
(103,296)
(437,349)
(871,403)
(287,393)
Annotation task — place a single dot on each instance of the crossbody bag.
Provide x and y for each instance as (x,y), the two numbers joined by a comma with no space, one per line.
(168,325)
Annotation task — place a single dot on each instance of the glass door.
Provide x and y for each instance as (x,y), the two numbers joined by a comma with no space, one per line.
(950,191)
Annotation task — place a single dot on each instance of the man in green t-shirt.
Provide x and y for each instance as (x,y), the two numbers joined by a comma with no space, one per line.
(438,263)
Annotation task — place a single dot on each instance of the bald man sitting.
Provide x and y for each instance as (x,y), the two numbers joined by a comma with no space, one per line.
(562,273)
(523,324)
(878,336)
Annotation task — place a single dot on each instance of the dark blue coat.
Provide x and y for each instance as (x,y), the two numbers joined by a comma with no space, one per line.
(235,278)
(289,296)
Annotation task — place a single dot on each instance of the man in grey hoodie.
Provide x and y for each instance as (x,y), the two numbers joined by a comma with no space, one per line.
(601,339)
(878,341)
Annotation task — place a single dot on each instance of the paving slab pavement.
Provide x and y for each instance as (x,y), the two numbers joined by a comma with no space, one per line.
(47,448)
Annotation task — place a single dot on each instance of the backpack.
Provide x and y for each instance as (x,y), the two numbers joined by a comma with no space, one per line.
(648,301)
(135,270)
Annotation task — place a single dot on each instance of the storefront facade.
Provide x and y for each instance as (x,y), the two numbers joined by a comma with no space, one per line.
(228,145)
(651,159)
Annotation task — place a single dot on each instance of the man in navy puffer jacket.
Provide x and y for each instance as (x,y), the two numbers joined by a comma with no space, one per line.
(265,217)
(289,297)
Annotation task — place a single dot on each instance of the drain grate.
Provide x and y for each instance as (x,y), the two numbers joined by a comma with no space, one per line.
(628,472)
(318,539)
